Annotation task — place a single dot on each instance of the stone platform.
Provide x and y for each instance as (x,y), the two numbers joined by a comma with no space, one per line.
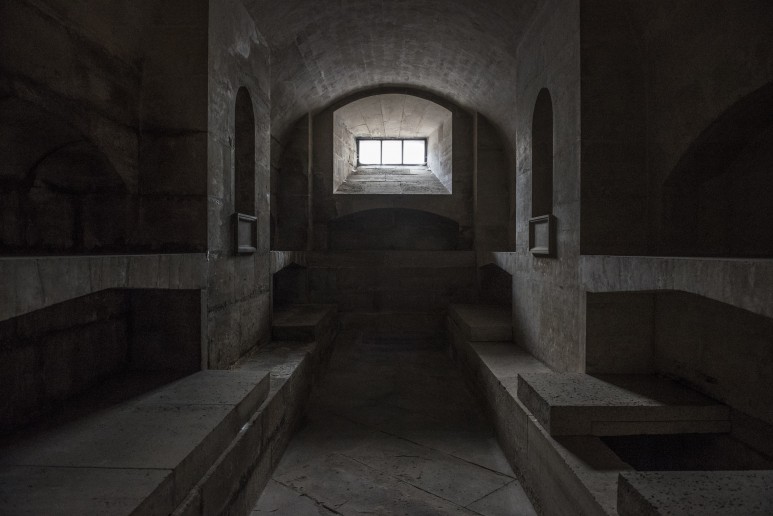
(730,493)
(140,457)
(580,404)
(302,323)
(483,323)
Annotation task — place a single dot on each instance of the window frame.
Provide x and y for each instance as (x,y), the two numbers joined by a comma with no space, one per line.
(402,146)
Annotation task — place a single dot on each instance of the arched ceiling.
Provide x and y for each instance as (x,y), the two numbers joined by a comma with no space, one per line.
(325,50)
(393,116)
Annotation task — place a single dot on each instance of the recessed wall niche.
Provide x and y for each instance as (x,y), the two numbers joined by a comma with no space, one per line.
(399,121)
(542,238)
(245,222)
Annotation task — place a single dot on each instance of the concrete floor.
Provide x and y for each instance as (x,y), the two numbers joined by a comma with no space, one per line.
(392,429)
(373,180)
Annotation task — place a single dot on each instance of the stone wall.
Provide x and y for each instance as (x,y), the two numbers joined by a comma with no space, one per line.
(238,285)
(440,150)
(723,351)
(651,106)
(52,355)
(290,195)
(493,197)
(546,296)
(328,206)
(344,152)
(106,111)
(70,87)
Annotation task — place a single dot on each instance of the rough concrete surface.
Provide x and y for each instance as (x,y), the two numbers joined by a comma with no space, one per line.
(383,437)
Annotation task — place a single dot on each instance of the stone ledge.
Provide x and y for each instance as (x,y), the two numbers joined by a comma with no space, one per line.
(159,444)
(295,367)
(305,323)
(568,475)
(32,283)
(731,493)
(580,404)
(483,323)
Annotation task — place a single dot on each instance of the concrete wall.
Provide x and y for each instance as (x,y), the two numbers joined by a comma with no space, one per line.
(173,110)
(290,194)
(719,349)
(493,197)
(546,297)
(70,100)
(238,286)
(724,351)
(440,150)
(344,152)
(327,206)
(648,100)
(49,356)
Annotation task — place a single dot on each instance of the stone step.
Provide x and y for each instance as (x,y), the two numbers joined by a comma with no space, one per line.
(730,493)
(140,457)
(483,323)
(580,404)
(303,323)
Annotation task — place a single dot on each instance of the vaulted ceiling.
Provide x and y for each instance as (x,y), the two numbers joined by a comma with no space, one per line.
(324,50)
(393,116)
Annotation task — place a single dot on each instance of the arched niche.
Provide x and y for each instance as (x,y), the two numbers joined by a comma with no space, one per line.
(717,200)
(59,193)
(244,154)
(398,122)
(541,225)
(245,221)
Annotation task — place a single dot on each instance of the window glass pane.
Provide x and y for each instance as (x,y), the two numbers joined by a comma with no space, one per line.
(414,152)
(393,152)
(370,152)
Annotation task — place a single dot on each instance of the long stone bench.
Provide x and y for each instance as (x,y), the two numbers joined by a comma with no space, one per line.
(303,323)
(563,476)
(580,404)
(483,323)
(204,445)
(580,474)
(141,457)
(729,493)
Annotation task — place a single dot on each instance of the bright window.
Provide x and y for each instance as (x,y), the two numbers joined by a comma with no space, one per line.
(391,152)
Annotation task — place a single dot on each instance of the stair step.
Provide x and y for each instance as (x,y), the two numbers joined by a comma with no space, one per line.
(483,323)
(303,323)
(580,404)
(143,456)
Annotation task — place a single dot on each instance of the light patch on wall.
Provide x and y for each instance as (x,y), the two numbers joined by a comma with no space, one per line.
(392,144)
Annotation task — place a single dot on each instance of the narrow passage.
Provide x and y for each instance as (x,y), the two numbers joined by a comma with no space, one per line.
(392,429)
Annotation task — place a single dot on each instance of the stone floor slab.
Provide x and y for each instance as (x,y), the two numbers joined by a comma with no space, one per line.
(392,429)
(506,501)
(580,404)
(440,474)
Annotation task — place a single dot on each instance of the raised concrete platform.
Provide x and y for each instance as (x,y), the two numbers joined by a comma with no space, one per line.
(580,404)
(729,493)
(303,323)
(141,457)
(483,323)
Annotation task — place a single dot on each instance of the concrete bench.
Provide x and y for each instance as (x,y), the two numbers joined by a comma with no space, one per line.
(576,475)
(730,493)
(141,457)
(580,404)
(303,323)
(483,323)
